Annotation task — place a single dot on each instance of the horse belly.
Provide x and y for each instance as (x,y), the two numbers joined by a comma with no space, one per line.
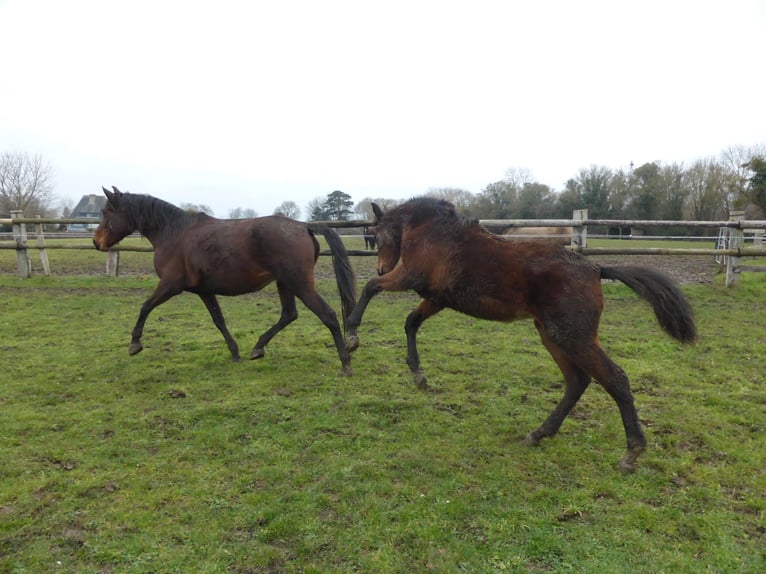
(235,282)
(482,302)
(505,309)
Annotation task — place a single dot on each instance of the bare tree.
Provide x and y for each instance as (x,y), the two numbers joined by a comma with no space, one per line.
(461,198)
(737,161)
(26,184)
(66,207)
(195,207)
(705,184)
(239,213)
(363,209)
(518,176)
(316,210)
(288,209)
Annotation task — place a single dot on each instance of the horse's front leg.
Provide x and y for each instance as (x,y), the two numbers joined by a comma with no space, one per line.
(414,320)
(396,280)
(211,302)
(162,293)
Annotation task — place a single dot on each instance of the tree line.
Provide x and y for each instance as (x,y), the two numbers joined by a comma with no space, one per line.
(707,189)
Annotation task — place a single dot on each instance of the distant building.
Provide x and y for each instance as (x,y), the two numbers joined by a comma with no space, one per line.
(88,206)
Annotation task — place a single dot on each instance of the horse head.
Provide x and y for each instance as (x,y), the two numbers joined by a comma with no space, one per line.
(388,235)
(115,221)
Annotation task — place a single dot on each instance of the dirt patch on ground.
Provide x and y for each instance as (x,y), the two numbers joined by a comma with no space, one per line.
(683,268)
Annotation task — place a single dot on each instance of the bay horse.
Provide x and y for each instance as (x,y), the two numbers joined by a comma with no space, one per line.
(453,262)
(369,239)
(560,235)
(207,256)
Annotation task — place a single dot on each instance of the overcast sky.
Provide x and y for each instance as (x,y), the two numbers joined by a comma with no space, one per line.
(250,103)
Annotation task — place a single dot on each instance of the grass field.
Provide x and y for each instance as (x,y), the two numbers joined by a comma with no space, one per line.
(177,460)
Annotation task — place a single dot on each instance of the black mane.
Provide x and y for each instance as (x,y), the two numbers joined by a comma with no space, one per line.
(149,213)
(418,210)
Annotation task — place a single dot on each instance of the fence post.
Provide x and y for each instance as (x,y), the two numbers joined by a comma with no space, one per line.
(41,245)
(733,269)
(580,232)
(113,263)
(20,237)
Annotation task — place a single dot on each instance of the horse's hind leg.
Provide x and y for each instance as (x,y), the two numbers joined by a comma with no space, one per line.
(372,288)
(579,360)
(616,383)
(327,315)
(211,302)
(414,320)
(289,314)
(576,381)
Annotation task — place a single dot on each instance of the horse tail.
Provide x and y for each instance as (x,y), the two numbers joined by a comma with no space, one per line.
(344,274)
(671,307)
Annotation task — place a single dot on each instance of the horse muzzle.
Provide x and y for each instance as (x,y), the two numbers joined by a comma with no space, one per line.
(99,245)
(100,241)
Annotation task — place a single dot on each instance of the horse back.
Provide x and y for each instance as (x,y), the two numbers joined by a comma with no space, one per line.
(481,274)
(235,256)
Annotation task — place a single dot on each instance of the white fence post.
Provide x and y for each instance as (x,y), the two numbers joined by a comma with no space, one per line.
(733,268)
(113,263)
(580,232)
(41,245)
(20,237)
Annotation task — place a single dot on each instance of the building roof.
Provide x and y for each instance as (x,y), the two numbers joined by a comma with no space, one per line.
(89,205)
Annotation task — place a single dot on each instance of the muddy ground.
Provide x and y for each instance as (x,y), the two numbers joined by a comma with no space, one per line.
(683,268)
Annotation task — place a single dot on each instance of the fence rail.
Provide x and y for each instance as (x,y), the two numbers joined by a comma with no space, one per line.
(730,251)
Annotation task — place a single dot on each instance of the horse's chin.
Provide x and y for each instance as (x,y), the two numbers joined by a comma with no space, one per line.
(384,268)
(101,246)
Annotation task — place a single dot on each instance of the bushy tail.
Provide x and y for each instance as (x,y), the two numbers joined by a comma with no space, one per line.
(344,275)
(671,307)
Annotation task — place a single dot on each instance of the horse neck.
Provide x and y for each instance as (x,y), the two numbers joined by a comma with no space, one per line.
(156,219)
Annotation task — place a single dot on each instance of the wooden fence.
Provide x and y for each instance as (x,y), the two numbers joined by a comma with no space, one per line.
(731,250)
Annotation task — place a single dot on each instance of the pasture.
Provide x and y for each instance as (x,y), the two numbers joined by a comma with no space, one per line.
(178,460)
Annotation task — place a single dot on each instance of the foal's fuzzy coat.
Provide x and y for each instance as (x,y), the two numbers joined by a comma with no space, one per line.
(453,262)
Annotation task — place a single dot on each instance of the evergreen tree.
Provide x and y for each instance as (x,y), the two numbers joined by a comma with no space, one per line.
(338,206)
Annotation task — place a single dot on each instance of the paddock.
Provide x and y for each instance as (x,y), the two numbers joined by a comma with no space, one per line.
(178,459)
(734,251)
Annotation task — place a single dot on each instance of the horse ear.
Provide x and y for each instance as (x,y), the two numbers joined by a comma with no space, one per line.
(377,211)
(112,197)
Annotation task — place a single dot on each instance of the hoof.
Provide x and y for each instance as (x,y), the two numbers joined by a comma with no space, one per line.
(236,359)
(531,440)
(257,353)
(421,381)
(346,371)
(352,343)
(135,348)
(628,462)
(626,467)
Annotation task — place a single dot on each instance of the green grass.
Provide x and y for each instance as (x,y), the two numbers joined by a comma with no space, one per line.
(177,460)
